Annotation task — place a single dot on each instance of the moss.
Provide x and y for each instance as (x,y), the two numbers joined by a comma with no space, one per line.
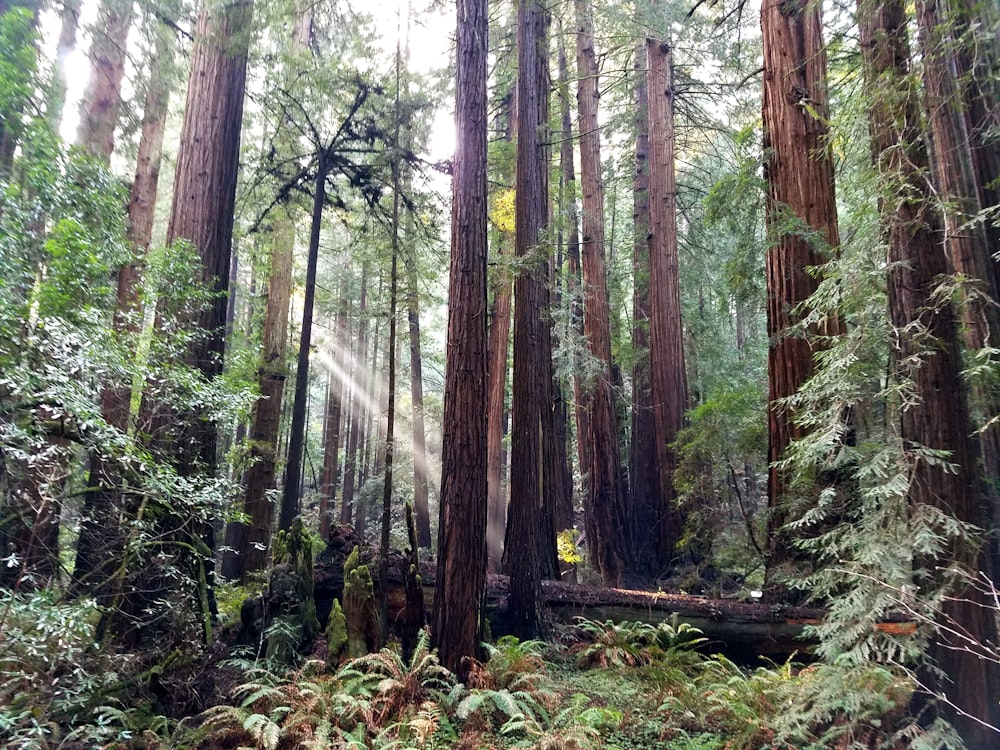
(359,607)
(336,634)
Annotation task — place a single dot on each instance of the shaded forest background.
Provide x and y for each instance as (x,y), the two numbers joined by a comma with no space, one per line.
(699,298)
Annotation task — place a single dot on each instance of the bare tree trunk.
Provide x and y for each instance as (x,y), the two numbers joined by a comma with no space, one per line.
(938,417)
(522,546)
(800,191)
(102,99)
(499,367)
(666,335)
(290,499)
(461,572)
(643,475)
(604,489)
(358,399)
(334,418)
(421,509)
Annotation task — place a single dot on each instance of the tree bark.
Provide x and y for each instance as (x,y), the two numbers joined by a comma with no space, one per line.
(358,400)
(938,417)
(499,367)
(643,476)
(458,614)
(667,378)
(801,223)
(98,522)
(523,543)
(290,499)
(101,104)
(605,497)
(334,418)
(421,509)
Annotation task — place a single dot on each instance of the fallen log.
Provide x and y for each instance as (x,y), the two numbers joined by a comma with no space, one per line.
(743,631)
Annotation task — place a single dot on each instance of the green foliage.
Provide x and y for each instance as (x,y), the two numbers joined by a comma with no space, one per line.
(336,634)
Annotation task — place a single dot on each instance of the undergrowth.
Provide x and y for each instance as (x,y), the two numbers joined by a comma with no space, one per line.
(619,686)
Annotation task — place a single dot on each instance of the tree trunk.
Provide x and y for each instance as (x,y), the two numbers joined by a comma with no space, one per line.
(458,614)
(967,236)
(421,508)
(645,485)
(801,207)
(202,213)
(605,498)
(334,418)
(290,498)
(69,25)
(358,400)
(499,367)
(523,543)
(937,418)
(98,519)
(666,346)
(102,99)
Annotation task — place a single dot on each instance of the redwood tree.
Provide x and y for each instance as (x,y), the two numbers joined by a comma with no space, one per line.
(605,496)
(102,99)
(523,542)
(666,346)
(937,417)
(461,571)
(801,221)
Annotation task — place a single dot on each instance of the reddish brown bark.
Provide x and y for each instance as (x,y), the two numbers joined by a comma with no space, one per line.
(458,614)
(643,475)
(605,497)
(801,220)
(666,357)
(938,417)
(101,104)
(522,545)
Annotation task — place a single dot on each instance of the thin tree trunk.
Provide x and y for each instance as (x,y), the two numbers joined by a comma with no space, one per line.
(938,417)
(334,418)
(459,613)
(421,507)
(358,400)
(499,367)
(101,104)
(290,498)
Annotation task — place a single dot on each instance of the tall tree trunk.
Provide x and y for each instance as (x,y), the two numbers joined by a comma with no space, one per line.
(202,213)
(248,543)
(666,342)
(421,509)
(461,571)
(967,236)
(643,476)
(574,273)
(605,499)
(522,546)
(290,498)
(937,418)
(334,418)
(801,206)
(499,367)
(98,519)
(101,104)
(69,25)
(359,398)
(390,389)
